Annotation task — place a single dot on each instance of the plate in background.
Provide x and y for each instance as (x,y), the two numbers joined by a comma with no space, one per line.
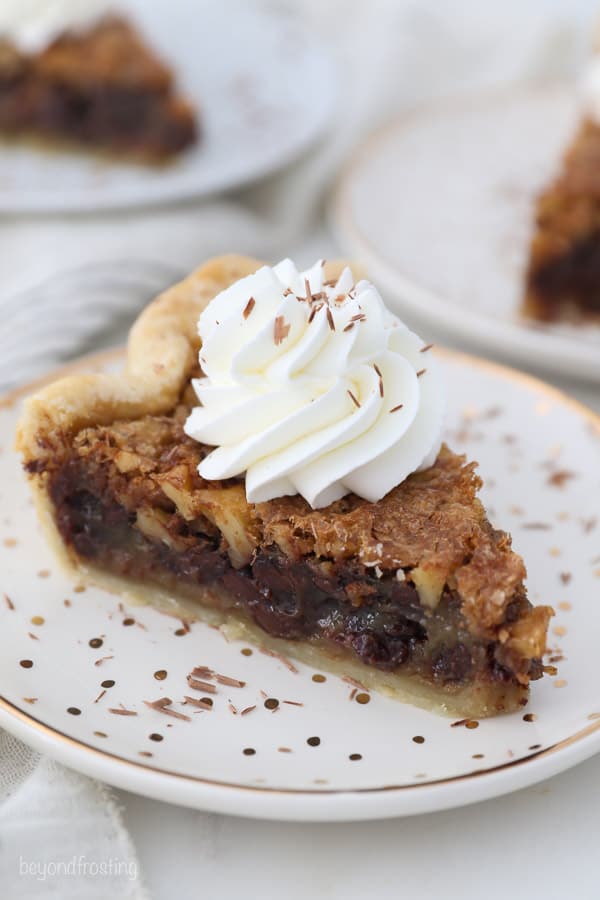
(68,657)
(263,84)
(438,207)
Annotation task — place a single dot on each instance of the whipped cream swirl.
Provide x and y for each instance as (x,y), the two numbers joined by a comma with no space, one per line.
(313,387)
(33,24)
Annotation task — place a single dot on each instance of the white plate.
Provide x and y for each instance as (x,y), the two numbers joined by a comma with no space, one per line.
(523,433)
(265,90)
(439,208)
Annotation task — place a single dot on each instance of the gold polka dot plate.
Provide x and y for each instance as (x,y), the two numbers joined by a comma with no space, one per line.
(87,678)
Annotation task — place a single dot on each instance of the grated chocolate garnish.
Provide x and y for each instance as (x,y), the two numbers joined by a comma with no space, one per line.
(293,702)
(249,307)
(421,372)
(565,577)
(309,295)
(281,329)
(458,723)
(348,326)
(330,321)
(353,693)
(560,477)
(247,709)
(232,708)
(122,712)
(331,282)
(537,526)
(202,672)
(232,682)
(353,398)
(8,601)
(194,701)
(354,682)
(101,659)
(425,348)
(313,312)
(33,636)
(30,699)
(197,685)
(282,659)
(162,705)
(396,408)
(100,696)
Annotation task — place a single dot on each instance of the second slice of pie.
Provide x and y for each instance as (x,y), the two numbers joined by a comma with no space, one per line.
(286,479)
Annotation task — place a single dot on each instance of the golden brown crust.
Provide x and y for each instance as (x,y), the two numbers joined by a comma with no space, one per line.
(161,353)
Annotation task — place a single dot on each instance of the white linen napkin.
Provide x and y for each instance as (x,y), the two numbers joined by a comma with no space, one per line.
(392,54)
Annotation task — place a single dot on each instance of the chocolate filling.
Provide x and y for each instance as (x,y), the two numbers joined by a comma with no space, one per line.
(384,626)
(574,276)
(111,116)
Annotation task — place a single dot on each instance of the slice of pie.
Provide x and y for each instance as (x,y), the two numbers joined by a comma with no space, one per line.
(415,593)
(563,271)
(100,88)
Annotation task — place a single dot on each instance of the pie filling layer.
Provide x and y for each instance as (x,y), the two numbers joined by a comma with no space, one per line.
(127,500)
(572,278)
(111,116)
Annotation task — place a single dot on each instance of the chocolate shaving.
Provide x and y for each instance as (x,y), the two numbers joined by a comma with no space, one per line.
(396,408)
(247,709)
(320,295)
(359,317)
(8,602)
(458,723)
(537,526)
(162,705)
(30,699)
(331,282)
(282,659)
(289,291)
(194,701)
(280,330)
(354,682)
(560,477)
(100,696)
(100,660)
(313,312)
(330,321)
(421,372)
(232,682)
(353,398)
(33,636)
(348,326)
(249,307)
(565,577)
(202,672)
(293,703)
(309,295)
(122,712)
(232,709)
(353,693)
(425,348)
(197,685)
